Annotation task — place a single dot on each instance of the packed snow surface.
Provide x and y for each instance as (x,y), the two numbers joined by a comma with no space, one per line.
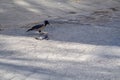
(84,40)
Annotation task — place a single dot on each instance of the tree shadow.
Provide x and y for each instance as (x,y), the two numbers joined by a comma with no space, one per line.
(85,34)
(62,69)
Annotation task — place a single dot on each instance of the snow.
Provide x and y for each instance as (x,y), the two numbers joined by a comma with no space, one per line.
(84,44)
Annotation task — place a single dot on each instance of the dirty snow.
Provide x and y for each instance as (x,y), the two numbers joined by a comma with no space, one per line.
(84,40)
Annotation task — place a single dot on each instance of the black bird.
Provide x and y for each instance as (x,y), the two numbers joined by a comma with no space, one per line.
(39,27)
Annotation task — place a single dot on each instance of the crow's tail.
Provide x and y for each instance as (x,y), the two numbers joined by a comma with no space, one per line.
(29,30)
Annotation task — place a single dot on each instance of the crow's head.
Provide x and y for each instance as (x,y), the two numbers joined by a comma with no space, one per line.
(46,22)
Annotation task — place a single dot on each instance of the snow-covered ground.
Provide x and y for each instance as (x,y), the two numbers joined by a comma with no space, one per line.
(84,40)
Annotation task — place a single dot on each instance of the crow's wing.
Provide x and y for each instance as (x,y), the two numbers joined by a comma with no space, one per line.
(37,26)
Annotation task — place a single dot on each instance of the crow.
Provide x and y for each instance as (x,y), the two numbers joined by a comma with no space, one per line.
(39,27)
